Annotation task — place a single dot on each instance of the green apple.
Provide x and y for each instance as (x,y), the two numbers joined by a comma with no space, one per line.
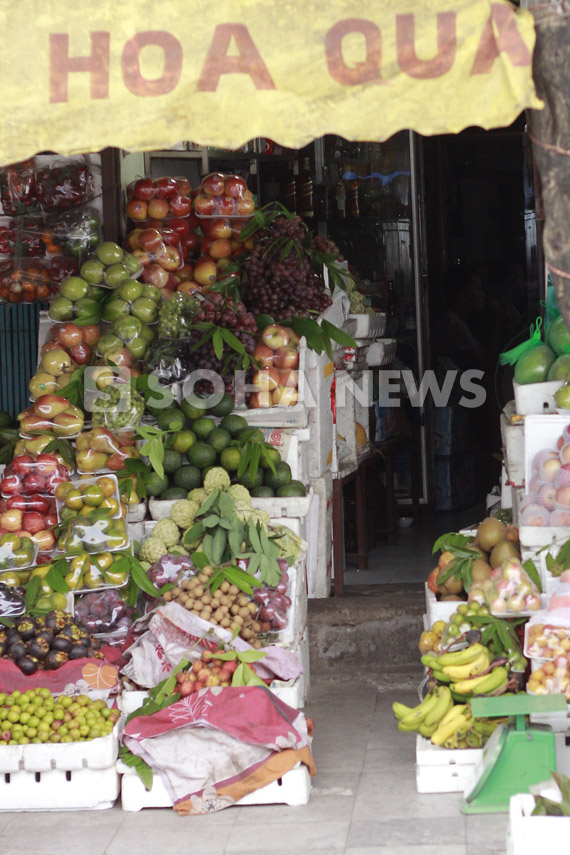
(107,342)
(87,306)
(145,310)
(130,290)
(109,253)
(137,347)
(115,308)
(92,271)
(132,264)
(115,274)
(152,292)
(74,288)
(148,334)
(127,328)
(61,309)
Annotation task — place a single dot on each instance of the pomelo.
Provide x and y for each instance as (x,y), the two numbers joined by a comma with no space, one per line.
(534,365)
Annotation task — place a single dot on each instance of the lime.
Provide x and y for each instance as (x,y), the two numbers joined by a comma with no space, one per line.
(43,603)
(203,427)
(219,439)
(92,495)
(251,434)
(171,419)
(272,454)
(294,488)
(172,461)
(73,499)
(281,476)
(59,601)
(191,411)
(262,492)
(223,407)
(175,492)
(233,424)
(187,478)
(251,483)
(183,440)
(559,336)
(534,365)
(155,485)
(230,457)
(202,455)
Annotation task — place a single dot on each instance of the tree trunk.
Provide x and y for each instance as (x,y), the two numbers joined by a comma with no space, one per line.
(549,131)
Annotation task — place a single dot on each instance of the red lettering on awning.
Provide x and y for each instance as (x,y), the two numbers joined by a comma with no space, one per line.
(508,40)
(218,62)
(446,47)
(61,64)
(130,63)
(364,72)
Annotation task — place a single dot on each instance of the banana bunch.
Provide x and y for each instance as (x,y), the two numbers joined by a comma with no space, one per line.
(458,729)
(468,671)
(485,684)
(424,718)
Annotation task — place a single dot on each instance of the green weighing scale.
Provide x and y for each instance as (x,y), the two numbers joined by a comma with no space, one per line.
(516,755)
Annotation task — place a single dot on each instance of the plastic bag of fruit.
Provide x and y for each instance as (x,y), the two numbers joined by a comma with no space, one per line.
(7,236)
(63,184)
(93,573)
(103,612)
(101,448)
(18,187)
(156,243)
(26,476)
(35,516)
(158,199)
(93,536)
(277,380)
(117,407)
(77,300)
(110,265)
(88,497)
(510,592)
(26,283)
(223,195)
(12,601)
(551,678)
(16,552)
(51,414)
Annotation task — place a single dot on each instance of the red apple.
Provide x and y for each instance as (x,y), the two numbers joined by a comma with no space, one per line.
(142,257)
(158,208)
(220,248)
(132,242)
(11,485)
(183,186)
(32,522)
(180,206)
(69,334)
(191,242)
(260,399)
(205,206)
(50,520)
(213,184)
(46,464)
(156,275)
(205,245)
(170,237)
(275,336)
(165,189)
(225,206)
(245,206)
(170,258)
(235,186)
(286,357)
(188,287)
(264,355)
(266,380)
(284,396)
(180,226)
(33,483)
(137,209)
(289,377)
(118,356)
(151,241)
(144,189)
(219,228)
(81,353)
(205,271)
(45,539)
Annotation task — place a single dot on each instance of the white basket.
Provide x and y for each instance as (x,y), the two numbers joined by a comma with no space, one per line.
(536,398)
(98,753)
(527,834)
(366,326)
(79,789)
(381,352)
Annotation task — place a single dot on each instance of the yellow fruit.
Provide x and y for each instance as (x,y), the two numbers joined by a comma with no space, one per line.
(107,485)
(427,641)
(438,628)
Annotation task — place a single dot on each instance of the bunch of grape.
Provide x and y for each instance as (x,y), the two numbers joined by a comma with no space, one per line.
(284,287)
(328,246)
(120,406)
(226,313)
(176,315)
(204,357)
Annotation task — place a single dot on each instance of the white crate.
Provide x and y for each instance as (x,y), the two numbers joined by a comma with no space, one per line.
(276,506)
(292,446)
(366,326)
(527,834)
(136,513)
(98,753)
(320,538)
(79,789)
(293,789)
(443,770)
(512,436)
(439,610)
(536,398)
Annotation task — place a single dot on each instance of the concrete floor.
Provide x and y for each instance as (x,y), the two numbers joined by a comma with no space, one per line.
(364,802)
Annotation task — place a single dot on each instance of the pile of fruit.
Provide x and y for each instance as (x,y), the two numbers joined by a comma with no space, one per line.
(101,448)
(36,716)
(224,196)
(104,612)
(206,672)
(547,642)
(277,355)
(93,536)
(77,300)
(33,516)
(158,199)
(547,501)
(551,678)
(51,414)
(46,643)
(89,497)
(54,370)
(26,476)
(94,572)
(135,298)
(16,551)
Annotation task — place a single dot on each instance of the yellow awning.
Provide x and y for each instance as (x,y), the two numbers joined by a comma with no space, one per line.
(81,75)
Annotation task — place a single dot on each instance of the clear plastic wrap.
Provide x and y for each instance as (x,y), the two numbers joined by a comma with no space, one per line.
(7,236)
(510,592)
(135,298)
(277,380)
(77,300)
(223,195)
(101,448)
(156,242)
(97,496)
(52,414)
(12,602)
(26,476)
(544,641)
(18,187)
(97,572)
(26,283)
(93,536)
(34,516)
(103,612)
(16,552)
(158,199)
(551,678)
(63,185)
(110,265)
(117,407)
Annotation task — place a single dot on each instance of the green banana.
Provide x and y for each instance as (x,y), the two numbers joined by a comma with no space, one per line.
(486,726)
(461,657)
(474,739)
(470,669)
(417,715)
(409,728)
(428,730)
(497,678)
(440,676)
(400,710)
(444,731)
(443,705)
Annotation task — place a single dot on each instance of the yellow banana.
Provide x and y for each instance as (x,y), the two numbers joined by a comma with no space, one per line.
(428,730)
(498,677)
(461,657)
(443,705)
(417,715)
(444,731)
(474,739)
(471,669)
(453,713)
(467,687)
(400,710)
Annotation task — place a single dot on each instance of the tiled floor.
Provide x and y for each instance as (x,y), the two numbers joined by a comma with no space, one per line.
(364,802)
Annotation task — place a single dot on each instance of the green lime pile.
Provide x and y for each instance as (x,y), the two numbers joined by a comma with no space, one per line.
(37,716)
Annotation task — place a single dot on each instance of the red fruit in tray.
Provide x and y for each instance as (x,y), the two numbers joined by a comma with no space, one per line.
(220,248)
(132,241)
(170,237)
(33,522)
(50,520)
(219,228)
(205,271)
(180,226)
(144,189)
(116,461)
(204,205)
(235,186)
(245,206)
(158,208)
(213,184)
(180,206)
(11,485)
(69,334)
(151,241)
(165,188)
(156,275)
(20,465)
(49,406)
(81,353)
(137,209)
(47,464)
(33,483)
(225,205)
(169,258)
(183,186)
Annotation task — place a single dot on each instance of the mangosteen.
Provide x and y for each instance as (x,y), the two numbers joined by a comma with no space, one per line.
(27,665)
(62,643)
(46,635)
(55,621)
(12,636)
(78,651)
(55,659)
(66,632)
(38,647)
(84,638)
(26,628)
(17,650)
(473,636)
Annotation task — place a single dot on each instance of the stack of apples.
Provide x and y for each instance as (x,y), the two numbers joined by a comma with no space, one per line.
(36,445)
(26,476)
(34,517)
(158,199)
(77,342)
(277,378)
(132,297)
(28,285)
(224,196)
(100,449)
(547,501)
(51,414)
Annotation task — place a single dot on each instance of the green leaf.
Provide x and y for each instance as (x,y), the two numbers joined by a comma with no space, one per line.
(530,569)
(263,321)
(218,343)
(207,545)
(337,334)
(226,506)
(253,565)
(265,456)
(445,541)
(32,591)
(141,579)
(56,581)
(232,340)
(218,545)
(244,459)
(63,448)
(145,773)
(211,521)
(200,560)
(239,675)
(209,503)
(193,534)
(254,460)
(254,536)
(154,450)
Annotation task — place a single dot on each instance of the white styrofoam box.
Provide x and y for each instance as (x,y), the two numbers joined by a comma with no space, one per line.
(136,513)
(443,770)
(366,326)
(540,433)
(58,789)
(536,398)
(292,789)
(439,610)
(98,753)
(548,581)
(506,490)
(319,538)
(321,427)
(527,834)
(128,702)
(338,312)
(285,510)
(292,447)
(291,692)
(512,436)
(381,352)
